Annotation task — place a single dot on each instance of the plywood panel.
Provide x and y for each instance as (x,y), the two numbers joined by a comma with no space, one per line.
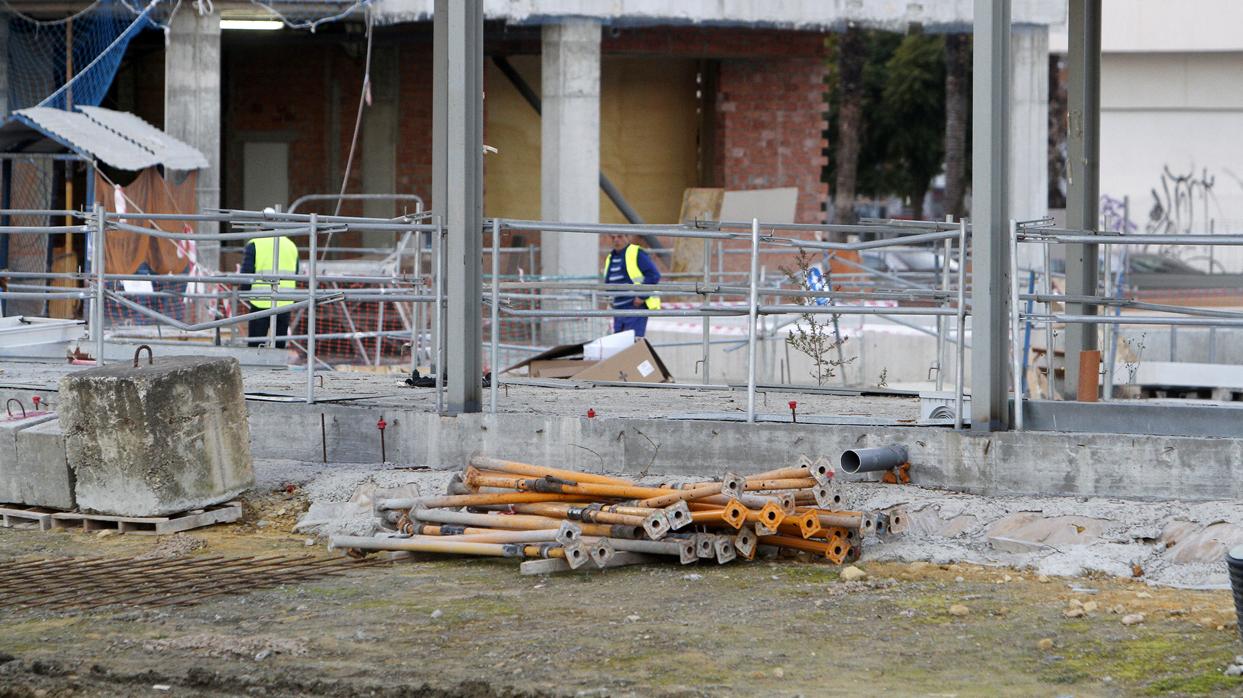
(647,130)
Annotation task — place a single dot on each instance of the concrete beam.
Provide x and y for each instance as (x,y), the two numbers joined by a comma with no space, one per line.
(989,215)
(570,145)
(1083,171)
(806,15)
(192,107)
(457,189)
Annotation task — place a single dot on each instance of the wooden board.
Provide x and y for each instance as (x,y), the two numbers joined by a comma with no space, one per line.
(698,204)
(12,516)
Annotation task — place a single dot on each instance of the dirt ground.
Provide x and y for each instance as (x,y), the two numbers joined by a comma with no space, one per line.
(475,627)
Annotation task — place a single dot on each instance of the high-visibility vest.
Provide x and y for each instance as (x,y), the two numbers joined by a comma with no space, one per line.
(633,271)
(288,256)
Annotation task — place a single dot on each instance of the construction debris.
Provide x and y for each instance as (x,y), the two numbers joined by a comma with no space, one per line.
(503,508)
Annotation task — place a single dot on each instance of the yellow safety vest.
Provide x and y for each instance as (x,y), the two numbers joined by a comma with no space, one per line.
(288,253)
(633,271)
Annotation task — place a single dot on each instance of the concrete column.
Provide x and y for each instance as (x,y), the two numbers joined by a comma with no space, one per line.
(379,146)
(990,171)
(4,66)
(1029,131)
(570,145)
(1084,171)
(192,106)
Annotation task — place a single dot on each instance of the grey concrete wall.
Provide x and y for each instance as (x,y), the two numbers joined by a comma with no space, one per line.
(1008,463)
(903,358)
(380,135)
(192,106)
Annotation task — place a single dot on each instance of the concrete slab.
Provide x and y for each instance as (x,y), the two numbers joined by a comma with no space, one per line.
(157,439)
(43,475)
(1190,542)
(1027,531)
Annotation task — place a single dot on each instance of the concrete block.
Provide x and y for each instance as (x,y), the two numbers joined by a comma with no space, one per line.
(10,479)
(43,475)
(156,439)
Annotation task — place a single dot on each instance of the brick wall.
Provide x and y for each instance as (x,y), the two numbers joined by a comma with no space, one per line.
(769,130)
(769,110)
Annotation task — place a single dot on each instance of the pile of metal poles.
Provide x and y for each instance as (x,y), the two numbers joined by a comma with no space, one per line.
(567,519)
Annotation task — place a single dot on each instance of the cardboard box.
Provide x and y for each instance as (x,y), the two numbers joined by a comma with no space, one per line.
(638,363)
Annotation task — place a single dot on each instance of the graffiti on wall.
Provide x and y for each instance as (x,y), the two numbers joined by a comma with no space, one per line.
(1181,204)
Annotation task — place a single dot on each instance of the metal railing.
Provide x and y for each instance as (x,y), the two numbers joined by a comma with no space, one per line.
(1042,232)
(752,300)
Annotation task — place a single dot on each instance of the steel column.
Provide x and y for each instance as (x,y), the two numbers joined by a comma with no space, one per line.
(100,264)
(990,199)
(312,260)
(752,313)
(1083,173)
(457,145)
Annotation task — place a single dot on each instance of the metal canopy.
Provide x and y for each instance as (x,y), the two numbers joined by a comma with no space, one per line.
(117,139)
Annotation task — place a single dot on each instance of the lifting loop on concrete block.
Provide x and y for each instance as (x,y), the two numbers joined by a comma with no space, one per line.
(8,406)
(150,356)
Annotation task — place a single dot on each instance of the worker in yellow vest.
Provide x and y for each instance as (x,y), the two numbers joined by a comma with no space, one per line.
(630,264)
(263,257)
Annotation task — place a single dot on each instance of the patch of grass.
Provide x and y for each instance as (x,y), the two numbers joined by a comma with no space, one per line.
(809,573)
(1160,660)
(1203,682)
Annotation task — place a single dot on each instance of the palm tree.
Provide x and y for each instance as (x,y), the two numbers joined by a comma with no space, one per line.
(851,57)
(957,85)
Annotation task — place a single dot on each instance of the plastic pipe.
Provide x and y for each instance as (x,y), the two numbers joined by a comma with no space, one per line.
(868,460)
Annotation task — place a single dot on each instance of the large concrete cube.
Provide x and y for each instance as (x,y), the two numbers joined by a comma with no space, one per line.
(10,474)
(156,439)
(43,475)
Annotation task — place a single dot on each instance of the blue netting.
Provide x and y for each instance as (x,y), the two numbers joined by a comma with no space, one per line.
(38,70)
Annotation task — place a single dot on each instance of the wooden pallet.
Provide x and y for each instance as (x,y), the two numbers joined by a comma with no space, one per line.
(17,516)
(47,519)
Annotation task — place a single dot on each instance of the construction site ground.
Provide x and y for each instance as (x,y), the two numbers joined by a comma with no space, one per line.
(550,397)
(475,627)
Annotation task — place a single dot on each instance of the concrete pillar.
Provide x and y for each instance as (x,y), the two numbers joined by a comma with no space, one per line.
(990,239)
(192,106)
(570,145)
(1029,131)
(4,66)
(379,146)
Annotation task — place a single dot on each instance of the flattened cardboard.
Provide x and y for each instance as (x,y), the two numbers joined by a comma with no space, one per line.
(637,364)
(556,368)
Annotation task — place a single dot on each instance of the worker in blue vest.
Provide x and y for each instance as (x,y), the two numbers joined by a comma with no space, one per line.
(262,256)
(629,264)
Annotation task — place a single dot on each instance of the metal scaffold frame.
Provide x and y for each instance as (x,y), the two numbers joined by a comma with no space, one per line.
(418,288)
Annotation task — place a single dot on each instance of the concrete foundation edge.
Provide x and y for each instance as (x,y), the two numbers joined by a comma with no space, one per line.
(1007,463)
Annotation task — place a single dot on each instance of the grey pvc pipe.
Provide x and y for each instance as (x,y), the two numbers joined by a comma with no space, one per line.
(867,460)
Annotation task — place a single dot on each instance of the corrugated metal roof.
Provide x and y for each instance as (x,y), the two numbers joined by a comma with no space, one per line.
(173,154)
(118,139)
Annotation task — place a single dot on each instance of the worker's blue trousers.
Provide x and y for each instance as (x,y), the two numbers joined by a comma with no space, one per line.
(638,324)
